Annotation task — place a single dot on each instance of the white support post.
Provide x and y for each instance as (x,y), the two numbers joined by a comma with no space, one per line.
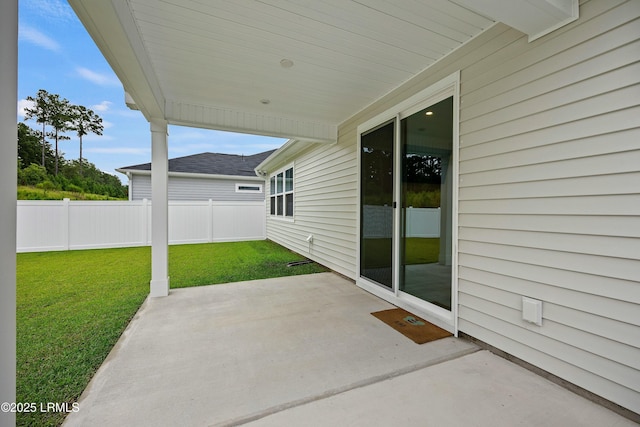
(8,171)
(159,210)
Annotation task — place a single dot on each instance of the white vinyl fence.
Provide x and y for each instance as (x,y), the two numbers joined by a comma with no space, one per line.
(420,222)
(66,225)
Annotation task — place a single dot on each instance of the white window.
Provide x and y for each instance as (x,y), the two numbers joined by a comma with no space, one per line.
(248,188)
(281,193)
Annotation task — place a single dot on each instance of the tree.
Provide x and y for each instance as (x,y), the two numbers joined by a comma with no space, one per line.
(28,145)
(60,116)
(56,172)
(41,113)
(85,121)
(32,175)
(29,148)
(50,109)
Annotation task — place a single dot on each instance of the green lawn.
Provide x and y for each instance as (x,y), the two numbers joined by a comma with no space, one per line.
(417,251)
(72,306)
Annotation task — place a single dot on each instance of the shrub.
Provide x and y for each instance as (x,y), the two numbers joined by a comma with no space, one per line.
(46,186)
(32,175)
(74,188)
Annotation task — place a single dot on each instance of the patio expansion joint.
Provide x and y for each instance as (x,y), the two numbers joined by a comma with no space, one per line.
(359,384)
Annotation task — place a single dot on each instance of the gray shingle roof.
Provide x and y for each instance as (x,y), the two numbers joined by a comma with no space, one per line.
(210,163)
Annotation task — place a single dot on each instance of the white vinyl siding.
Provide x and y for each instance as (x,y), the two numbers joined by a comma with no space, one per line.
(549,196)
(194,189)
(325,206)
(550,200)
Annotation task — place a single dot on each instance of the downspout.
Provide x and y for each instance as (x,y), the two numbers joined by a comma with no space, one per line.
(130,177)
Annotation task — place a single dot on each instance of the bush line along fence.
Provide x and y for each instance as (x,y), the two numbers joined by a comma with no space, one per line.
(69,225)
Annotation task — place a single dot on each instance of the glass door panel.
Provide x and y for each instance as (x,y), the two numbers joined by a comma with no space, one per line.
(376,198)
(426,198)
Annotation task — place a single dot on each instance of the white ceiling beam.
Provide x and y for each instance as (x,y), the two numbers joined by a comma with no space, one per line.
(243,121)
(533,17)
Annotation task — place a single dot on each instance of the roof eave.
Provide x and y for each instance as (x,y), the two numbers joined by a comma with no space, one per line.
(192,175)
(283,155)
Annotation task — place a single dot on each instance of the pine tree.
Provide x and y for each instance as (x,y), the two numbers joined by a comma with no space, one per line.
(40,112)
(85,121)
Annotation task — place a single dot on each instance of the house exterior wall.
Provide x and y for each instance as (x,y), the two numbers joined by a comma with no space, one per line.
(549,195)
(194,189)
(325,184)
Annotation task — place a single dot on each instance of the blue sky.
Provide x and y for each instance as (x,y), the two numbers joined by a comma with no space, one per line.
(55,53)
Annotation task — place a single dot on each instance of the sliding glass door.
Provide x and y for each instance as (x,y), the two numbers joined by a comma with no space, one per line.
(407,204)
(426,195)
(376,213)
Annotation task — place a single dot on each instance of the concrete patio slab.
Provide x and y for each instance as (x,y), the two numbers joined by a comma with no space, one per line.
(227,354)
(305,350)
(479,389)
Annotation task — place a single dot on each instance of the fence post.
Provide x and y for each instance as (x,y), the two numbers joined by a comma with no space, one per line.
(210,222)
(145,222)
(66,244)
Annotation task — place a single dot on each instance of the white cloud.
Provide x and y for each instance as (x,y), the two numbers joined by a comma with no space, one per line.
(188,140)
(51,9)
(191,148)
(97,78)
(189,135)
(92,137)
(34,36)
(118,150)
(22,104)
(133,114)
(102,107)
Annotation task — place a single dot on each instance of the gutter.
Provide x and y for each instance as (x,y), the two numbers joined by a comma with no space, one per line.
(130,172)
(283,155)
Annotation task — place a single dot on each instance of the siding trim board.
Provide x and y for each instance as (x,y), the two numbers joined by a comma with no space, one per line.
(549,194)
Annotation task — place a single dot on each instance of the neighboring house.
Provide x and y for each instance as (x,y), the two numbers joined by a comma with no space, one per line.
(522,128)
(215,176)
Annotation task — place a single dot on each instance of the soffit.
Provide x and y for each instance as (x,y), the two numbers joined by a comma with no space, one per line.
(217,64)
(211,63)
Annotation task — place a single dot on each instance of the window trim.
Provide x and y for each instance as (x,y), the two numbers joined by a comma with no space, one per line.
(257,184)
(277,198)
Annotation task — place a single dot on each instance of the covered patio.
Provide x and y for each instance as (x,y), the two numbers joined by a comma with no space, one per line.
(544,226)
(292,70)
(305,350)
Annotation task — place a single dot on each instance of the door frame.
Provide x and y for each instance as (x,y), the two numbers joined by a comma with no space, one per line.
(449,86)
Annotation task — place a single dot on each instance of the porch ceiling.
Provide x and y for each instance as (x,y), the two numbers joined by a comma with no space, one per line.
(224,64)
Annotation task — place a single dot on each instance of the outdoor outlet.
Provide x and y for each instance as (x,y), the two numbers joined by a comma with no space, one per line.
(310,238)
(532,310)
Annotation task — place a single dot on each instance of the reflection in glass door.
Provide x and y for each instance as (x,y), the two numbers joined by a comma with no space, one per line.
(376,198)
(426,200)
